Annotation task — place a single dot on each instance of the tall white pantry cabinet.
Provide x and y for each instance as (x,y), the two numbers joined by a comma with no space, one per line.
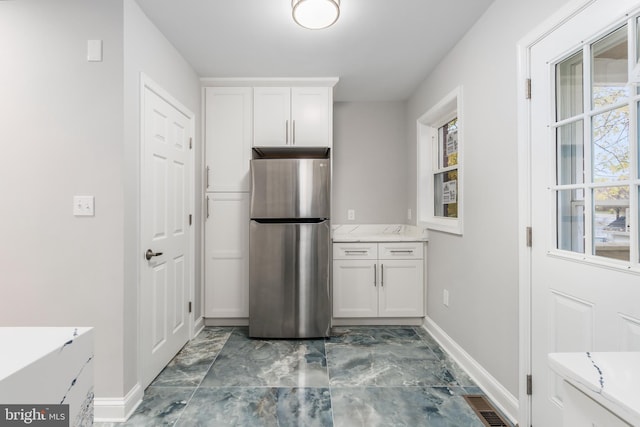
(235,119)
(228,133)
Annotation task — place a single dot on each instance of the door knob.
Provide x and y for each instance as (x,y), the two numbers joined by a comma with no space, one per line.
(150,254)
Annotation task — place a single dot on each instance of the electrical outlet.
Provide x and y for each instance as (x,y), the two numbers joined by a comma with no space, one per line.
(83,205)
(445,298)
(409,214)
(351,215)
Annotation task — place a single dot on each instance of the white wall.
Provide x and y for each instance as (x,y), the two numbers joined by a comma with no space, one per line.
(147,51)
(61,135)
(369,166)
(71,127)
(480,269)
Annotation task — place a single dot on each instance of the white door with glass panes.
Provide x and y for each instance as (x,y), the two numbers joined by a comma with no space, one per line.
(585,270)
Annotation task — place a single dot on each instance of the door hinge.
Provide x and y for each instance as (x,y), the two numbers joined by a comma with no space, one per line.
(190,143)
(190,219)
(529,237)
(527,89)
(529,385)
(189,306)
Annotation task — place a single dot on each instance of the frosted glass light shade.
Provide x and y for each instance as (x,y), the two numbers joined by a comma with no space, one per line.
(315,14)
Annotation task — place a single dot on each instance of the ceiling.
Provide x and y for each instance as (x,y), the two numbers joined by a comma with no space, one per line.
(380,49)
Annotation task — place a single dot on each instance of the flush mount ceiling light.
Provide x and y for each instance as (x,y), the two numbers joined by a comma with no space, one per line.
(315,14)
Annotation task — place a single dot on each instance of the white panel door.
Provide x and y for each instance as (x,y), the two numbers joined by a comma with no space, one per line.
(355,288)
(401,291)
(311,116)
(271,116)
(165,274)
(227,255)
(228,130)
(584,298)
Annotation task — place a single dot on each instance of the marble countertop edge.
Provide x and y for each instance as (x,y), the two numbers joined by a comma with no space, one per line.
(346,233)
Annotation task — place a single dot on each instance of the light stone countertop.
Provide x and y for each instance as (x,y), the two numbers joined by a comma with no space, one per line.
(611,379)
(379,233)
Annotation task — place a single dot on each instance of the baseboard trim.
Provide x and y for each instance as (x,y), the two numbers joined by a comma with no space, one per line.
(117,410)
(219,321)
(499,395)
(377,321)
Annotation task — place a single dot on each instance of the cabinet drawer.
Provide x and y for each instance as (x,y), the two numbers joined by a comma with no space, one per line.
(400,250)
(355,251)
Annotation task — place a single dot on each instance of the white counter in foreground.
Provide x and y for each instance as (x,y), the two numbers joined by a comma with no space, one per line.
(379,233)
(48,366)
(610,379)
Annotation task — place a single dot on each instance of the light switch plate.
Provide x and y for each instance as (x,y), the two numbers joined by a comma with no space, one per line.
(94,50)
(83,205)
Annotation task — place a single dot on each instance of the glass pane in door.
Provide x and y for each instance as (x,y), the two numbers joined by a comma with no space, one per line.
(569,87)
(611,228)
(570,153)
(610,72)
(570,227)
(610,136)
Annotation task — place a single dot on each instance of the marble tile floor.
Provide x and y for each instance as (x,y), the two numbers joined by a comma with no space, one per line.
(361,376)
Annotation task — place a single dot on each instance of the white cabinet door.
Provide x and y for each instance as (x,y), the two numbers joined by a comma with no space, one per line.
(271,116)
(311,116)
(298,116)
(401,291)
(355,291)
(581,410)
(228,138)
(227,255)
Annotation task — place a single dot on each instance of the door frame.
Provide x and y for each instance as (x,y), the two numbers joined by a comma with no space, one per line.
(147,83)
(524,46)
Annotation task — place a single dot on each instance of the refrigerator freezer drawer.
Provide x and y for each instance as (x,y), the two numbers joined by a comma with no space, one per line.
(290,188)
(289,280)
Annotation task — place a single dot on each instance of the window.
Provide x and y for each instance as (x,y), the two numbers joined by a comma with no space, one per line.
(440,144)
(596,145)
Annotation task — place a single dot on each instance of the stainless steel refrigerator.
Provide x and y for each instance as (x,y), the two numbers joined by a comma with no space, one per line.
(289,248)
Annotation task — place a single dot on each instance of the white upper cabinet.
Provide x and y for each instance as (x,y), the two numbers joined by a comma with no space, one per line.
(228,138)
(272,114)
(311,116)
(297,116)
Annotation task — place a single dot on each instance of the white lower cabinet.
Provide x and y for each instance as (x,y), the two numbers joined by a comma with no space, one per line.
(581,410)
(378,279)
(227,255)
